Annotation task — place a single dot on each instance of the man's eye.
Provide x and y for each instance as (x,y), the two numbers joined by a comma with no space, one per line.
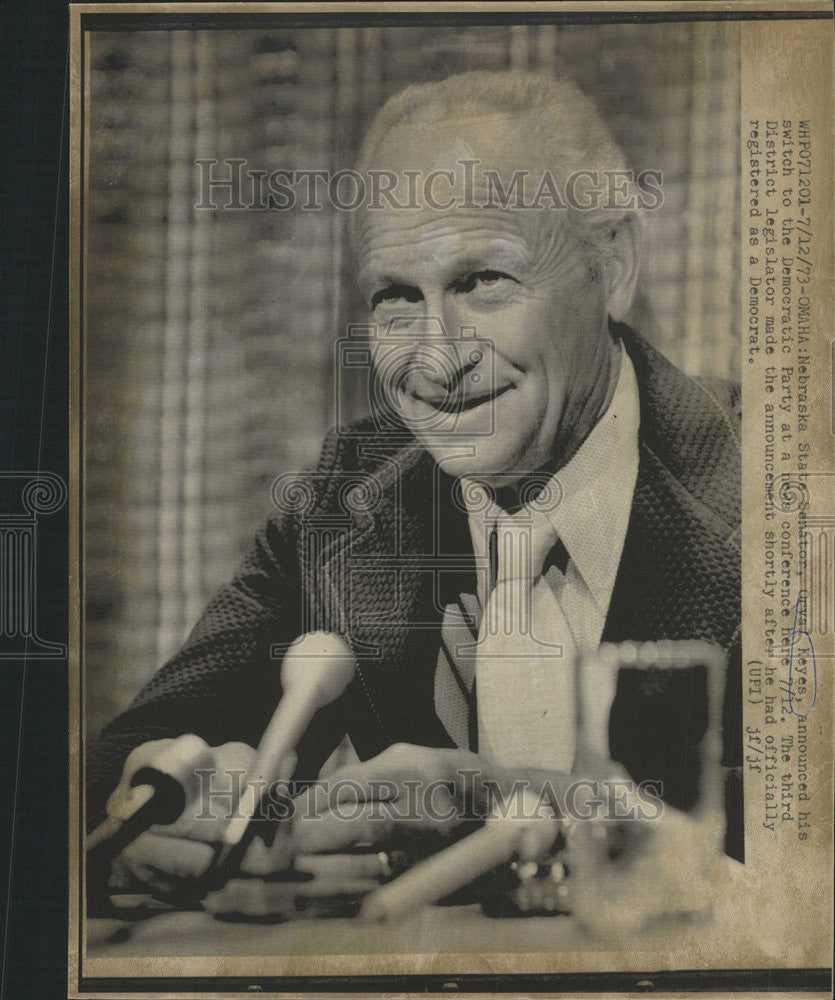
(394,293)
(484,279)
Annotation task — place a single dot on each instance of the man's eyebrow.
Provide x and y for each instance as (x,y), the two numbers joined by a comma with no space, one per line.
(402,287)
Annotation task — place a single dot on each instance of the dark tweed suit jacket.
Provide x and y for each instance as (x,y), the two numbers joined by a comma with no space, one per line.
(370,544)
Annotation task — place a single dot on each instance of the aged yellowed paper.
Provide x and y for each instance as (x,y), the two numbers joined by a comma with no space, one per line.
(452,429)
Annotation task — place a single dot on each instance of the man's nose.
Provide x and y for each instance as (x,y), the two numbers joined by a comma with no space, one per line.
(439,346)
(426,320)
(442,313)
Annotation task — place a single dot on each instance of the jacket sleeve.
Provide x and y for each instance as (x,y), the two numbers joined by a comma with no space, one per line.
(223,684)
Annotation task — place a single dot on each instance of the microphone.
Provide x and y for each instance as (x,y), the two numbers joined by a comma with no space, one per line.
(156,795)
(316,670)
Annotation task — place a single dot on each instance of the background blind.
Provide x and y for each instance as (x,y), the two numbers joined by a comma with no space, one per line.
(210,334)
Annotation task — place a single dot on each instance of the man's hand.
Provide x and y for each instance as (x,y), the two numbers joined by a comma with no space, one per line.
(408,795)
(170,859)
(367,822)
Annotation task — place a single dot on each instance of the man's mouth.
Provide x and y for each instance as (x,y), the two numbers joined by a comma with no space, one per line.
(459,402)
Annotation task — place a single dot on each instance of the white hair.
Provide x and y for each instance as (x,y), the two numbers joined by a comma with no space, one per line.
(574,137)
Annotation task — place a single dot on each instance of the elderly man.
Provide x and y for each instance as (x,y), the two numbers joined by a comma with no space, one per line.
(516,405)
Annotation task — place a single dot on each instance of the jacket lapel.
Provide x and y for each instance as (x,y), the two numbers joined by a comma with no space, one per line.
(395,571)
(680,572)
(679,575)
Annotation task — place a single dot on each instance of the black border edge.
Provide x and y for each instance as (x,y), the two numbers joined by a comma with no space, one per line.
(696,980)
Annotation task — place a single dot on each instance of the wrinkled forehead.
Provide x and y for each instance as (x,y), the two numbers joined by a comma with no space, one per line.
(501,141)
(443,181)
(392,241)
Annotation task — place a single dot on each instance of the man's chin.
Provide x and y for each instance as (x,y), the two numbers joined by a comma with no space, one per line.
(471,459)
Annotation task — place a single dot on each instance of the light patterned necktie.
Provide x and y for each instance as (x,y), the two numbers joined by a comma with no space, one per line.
(525,659)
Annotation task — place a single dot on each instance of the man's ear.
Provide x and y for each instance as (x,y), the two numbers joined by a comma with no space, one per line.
(621,266)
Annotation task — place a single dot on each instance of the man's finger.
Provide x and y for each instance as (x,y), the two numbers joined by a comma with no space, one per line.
(349,824)
(417,770)
(341,827)
(260,859)
(151,854)
(357,783)
(374,864)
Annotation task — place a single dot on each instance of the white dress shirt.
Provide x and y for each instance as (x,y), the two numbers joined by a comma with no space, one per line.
(528,652)
(595,491)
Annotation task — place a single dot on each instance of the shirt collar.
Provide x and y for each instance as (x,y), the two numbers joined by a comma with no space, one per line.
(596,488)
(594,492)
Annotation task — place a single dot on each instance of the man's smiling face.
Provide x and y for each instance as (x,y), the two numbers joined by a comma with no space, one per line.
(524,385)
